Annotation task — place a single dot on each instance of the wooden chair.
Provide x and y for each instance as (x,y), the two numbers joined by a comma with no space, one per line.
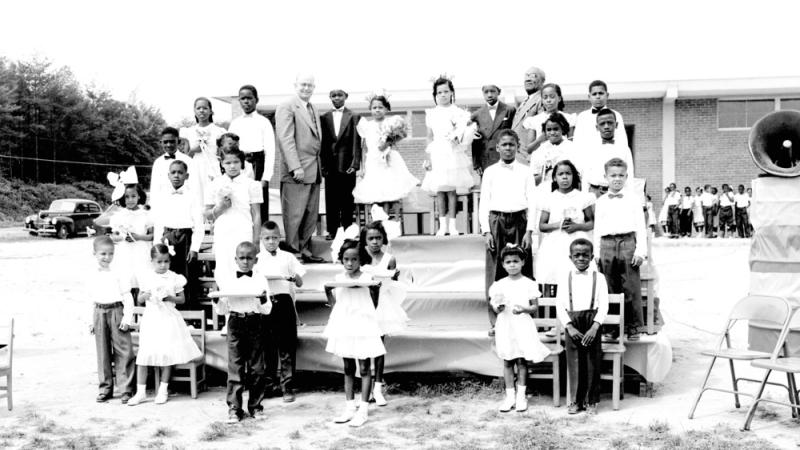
(6,365)
(556,349)
(614,349)
(471,224)
(758,308)
(395,212)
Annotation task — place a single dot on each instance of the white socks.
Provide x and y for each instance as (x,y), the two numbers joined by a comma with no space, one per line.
(522,401)
(453,228)
(141,394)
(377,394)
(360,417)
(509,402)
(443,227)
(347,413)
(162,394)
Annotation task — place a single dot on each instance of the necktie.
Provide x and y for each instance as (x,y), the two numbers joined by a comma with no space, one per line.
(614,195)
(167,156)
(242,274)
(311,113)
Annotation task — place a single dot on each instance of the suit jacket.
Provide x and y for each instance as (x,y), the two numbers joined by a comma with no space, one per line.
(299,141)
(343,151)
(529,108)
(489,129)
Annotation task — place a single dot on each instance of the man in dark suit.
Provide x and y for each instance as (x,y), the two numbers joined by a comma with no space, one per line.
(341,158)
(491,118)
(297,126)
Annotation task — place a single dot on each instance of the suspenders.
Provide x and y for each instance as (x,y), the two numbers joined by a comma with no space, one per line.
(594,287)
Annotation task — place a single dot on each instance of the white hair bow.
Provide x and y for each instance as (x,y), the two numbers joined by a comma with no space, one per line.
(352,232)
(392,227)
(119,181)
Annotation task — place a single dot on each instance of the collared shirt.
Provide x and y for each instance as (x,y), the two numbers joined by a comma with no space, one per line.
(687,201)
(159,177)
(726,199)
(673,199)
(243,192)
(741,200)
(582,295)
(586,129)
(256,135)
(110,286)
(282,264)
(619,216)
(707,199)
(506,188)
(492,110)
(255,285)
(592,159)
(180,208)
(337,120)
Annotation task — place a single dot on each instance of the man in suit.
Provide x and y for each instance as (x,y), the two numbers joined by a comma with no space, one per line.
(299,134)
(532,105)
(491,118)
(341,158)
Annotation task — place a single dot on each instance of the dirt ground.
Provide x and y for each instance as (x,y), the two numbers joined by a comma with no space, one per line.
(55,379)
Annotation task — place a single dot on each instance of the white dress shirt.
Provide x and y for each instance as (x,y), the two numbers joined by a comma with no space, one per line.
(180,208)
(673,199)
(255,285)
(282,264)
(586,129)
(256,135)
(492,110)
(592,159)
(506,188)
(337,120)
(619,215)
(110,286)
(726,199)
(707,199)
(582,295)
(687,201)
(159,177)
(741,200)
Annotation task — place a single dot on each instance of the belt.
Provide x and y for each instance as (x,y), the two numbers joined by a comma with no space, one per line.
(618,236)
(508,214)
(245,314)
(108,305)
(177,229)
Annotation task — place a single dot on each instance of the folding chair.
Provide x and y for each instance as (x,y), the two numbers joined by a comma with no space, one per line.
(193,372)
(556,349)
(6,366)
(758,308)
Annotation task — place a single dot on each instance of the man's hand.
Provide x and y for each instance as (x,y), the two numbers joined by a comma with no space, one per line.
(298,174)
(124,327)
(499,308)
(588,338)
(637,261)
(576,335)
(489,241)
(143,297)
(526,241)
(569,226)
(479,171)
(350,171)
(191,257)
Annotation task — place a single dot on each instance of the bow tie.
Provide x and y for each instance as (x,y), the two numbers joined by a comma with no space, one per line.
(275,253)
(597,110)
(242,274)
(608,142)
(507,166)
(585,272)
(169,157)
(614,195)
(493,108)
(104,269)
(177,192)
(338,110)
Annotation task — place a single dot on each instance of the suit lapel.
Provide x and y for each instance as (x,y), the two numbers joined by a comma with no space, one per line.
(499,115)
(345,120)
(306,117)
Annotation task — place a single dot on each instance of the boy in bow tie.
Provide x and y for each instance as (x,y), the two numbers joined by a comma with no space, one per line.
(247,336)
(159,182)
(594,156)
(620,236)
(585,130)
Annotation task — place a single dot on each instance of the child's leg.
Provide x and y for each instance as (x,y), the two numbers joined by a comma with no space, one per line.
(631,286)
(238,350)
(103,344)
(441,204)
(583,376)
(366,379)
(141,375)
(349,377)
(522,372)
(594,361)
(452,203)
(572,367)
(166,374)
(379,362)
(258,337)
(284,327)
(508,373)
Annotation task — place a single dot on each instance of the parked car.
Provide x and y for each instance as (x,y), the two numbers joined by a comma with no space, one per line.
(64,218)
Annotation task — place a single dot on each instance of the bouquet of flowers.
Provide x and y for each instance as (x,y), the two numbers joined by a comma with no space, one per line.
(202,138)
(393,129)
(224,192)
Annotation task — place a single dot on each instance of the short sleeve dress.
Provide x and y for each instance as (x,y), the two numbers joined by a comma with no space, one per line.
(535,123)
(164,339)
(353,330)
(392,318)
(386,177)
(132,259)
(516,335)
(451,166)
(206,162)
(553,256)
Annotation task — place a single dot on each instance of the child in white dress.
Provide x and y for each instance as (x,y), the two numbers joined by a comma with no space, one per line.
(233,204)
(392,318)
(202,143)
(164,339)
(132,232)
(386,178)
(353,330)
(555,148)
(567,214)
(553,102)
(516,336)
(450,134)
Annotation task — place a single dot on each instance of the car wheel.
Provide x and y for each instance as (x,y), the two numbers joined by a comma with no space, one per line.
(62,232)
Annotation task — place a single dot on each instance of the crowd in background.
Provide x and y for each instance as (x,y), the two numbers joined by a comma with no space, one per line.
(704,212)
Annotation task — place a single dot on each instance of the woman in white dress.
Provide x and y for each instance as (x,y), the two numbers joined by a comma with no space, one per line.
(553,102)
(132,232)
(385,178)
(201,145)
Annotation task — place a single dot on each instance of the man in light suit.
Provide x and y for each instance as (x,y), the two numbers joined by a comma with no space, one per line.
(491,118)
(341,158)
(299,134)
(532,105)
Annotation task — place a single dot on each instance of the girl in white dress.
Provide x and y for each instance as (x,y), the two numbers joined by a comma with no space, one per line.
(567,214)
(553,102)
(450,134)
(202,143)
(233,203)
(516,336)
(164,339)
(386,178)
(697,212)
(392,318)
(555,148)
(132,232)
(353,330)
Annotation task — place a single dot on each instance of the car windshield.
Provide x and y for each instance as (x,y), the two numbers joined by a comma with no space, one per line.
(62,206)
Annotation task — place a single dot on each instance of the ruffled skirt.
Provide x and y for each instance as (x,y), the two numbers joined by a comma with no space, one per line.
(516,337)
(353,330)
(385,181)
(451,169)
(164,338)
(392,318)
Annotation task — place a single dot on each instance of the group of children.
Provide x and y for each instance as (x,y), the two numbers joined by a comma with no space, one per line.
(706,212)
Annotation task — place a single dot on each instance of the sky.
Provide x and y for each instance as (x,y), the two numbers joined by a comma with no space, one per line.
(166,53)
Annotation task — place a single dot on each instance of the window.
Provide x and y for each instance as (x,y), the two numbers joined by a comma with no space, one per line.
(93,208)
(790,103)
(742,113)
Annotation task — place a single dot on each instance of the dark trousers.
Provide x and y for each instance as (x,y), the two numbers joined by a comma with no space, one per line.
(685,219)
(708,220)
(673,220)
(339,203)
(742,222)
(584,363)
(726,219)
(281,354)
(300,204)
(506,228)
(181,239)
(616,253)
(246,339)
(115,345)
(257,160)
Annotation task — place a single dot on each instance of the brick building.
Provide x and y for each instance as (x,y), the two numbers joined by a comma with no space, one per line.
(691,132)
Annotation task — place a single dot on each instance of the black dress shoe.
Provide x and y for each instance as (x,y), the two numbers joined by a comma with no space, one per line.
(125,397)
(311,259)
(288,396)
(102,398)
(328,237)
